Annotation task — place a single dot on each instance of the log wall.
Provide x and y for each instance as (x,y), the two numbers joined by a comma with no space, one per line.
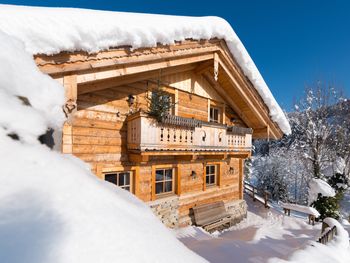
(97,134)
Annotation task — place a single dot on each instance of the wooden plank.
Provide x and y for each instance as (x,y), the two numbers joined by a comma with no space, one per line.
(141,67)
(153,182)
(123,80)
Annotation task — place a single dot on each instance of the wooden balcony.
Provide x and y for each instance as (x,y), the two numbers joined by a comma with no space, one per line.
(182,135)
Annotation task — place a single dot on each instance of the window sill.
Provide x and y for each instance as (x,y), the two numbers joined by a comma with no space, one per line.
(165,195)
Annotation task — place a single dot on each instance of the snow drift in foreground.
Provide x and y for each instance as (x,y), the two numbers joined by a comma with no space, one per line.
(319,186)
(336,251)
(52,30)
(52,209)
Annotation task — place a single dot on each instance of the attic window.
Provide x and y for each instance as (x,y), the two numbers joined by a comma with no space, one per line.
(214,114)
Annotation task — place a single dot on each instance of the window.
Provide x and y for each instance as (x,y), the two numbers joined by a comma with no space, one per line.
(214,115)
(121,179)
(211,175)
(164,181)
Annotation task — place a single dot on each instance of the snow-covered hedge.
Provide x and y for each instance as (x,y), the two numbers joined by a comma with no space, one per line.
(52,209)
(319,186)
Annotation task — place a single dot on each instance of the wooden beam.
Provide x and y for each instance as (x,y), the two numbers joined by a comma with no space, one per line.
(208,76)
(119,81)
(241,177)
(153,183)
(82,61)
(178,179)
(138,158)
(244,96)
(144,66)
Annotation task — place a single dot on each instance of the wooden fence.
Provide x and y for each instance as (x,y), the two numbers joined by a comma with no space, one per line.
(328,236)
(254,193)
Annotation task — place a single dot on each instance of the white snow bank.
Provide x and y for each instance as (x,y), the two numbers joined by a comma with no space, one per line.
(336,251)
(52,30)
(52,209)
(301,208)
(319,186)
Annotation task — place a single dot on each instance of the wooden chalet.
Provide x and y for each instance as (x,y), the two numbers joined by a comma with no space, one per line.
(192,157)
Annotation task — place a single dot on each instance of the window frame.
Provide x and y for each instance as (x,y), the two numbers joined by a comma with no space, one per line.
(173,171)
(117,174)
(212,109)
(216,175)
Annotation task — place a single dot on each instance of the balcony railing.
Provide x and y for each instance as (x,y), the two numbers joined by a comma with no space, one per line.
(182,134)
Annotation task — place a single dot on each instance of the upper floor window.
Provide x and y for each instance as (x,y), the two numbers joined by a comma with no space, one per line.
(121,179)
(164,181)
(214,114)
(211,175)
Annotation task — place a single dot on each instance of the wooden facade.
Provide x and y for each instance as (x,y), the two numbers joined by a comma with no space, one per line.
(197,155)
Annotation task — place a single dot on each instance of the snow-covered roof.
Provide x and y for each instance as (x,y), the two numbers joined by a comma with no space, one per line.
(52,30)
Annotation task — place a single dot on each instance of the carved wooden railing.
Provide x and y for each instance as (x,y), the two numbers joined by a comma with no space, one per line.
(183,134)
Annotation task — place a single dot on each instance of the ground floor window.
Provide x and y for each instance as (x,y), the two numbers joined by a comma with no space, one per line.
(211,175)
(164,181)
(121,179)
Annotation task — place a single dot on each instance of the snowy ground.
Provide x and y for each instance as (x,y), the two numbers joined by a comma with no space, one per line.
(266,233)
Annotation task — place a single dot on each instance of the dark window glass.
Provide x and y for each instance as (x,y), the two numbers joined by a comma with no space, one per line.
(169,174)
(210,176)
(214,115)
(159,175)
(112,178)
(121,179)
(159,188)
(164,181)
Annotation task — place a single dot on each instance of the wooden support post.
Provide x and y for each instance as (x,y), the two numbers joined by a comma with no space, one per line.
(216,66)
(204,176)
(70,87)
(178,179)
(241,178)
(137,181)
(153,187)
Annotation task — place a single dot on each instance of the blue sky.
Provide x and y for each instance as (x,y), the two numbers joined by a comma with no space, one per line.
(294,43)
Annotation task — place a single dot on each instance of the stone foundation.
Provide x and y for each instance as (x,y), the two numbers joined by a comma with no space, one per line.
(238,210)
(166,209)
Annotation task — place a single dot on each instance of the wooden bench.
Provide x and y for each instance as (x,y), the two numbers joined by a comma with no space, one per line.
(212,216)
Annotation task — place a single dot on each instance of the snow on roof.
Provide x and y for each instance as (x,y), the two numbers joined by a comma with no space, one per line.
(52,30)
(52,208)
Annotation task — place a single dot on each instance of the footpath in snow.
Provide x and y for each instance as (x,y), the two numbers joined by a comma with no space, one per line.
(266,235)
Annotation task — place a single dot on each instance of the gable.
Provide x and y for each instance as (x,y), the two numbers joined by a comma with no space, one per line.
(122,66)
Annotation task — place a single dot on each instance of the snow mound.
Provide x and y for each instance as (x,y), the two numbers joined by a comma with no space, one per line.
(319,186)
(336,251)
(52,208)
(52,30)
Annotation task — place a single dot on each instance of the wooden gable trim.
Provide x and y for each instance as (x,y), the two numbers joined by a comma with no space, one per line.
(121,66)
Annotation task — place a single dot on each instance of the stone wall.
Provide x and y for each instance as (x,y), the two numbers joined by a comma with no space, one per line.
(167,210)
(238,210)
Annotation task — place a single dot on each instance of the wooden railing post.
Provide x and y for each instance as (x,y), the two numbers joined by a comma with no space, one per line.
(253,193)
(265,199)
